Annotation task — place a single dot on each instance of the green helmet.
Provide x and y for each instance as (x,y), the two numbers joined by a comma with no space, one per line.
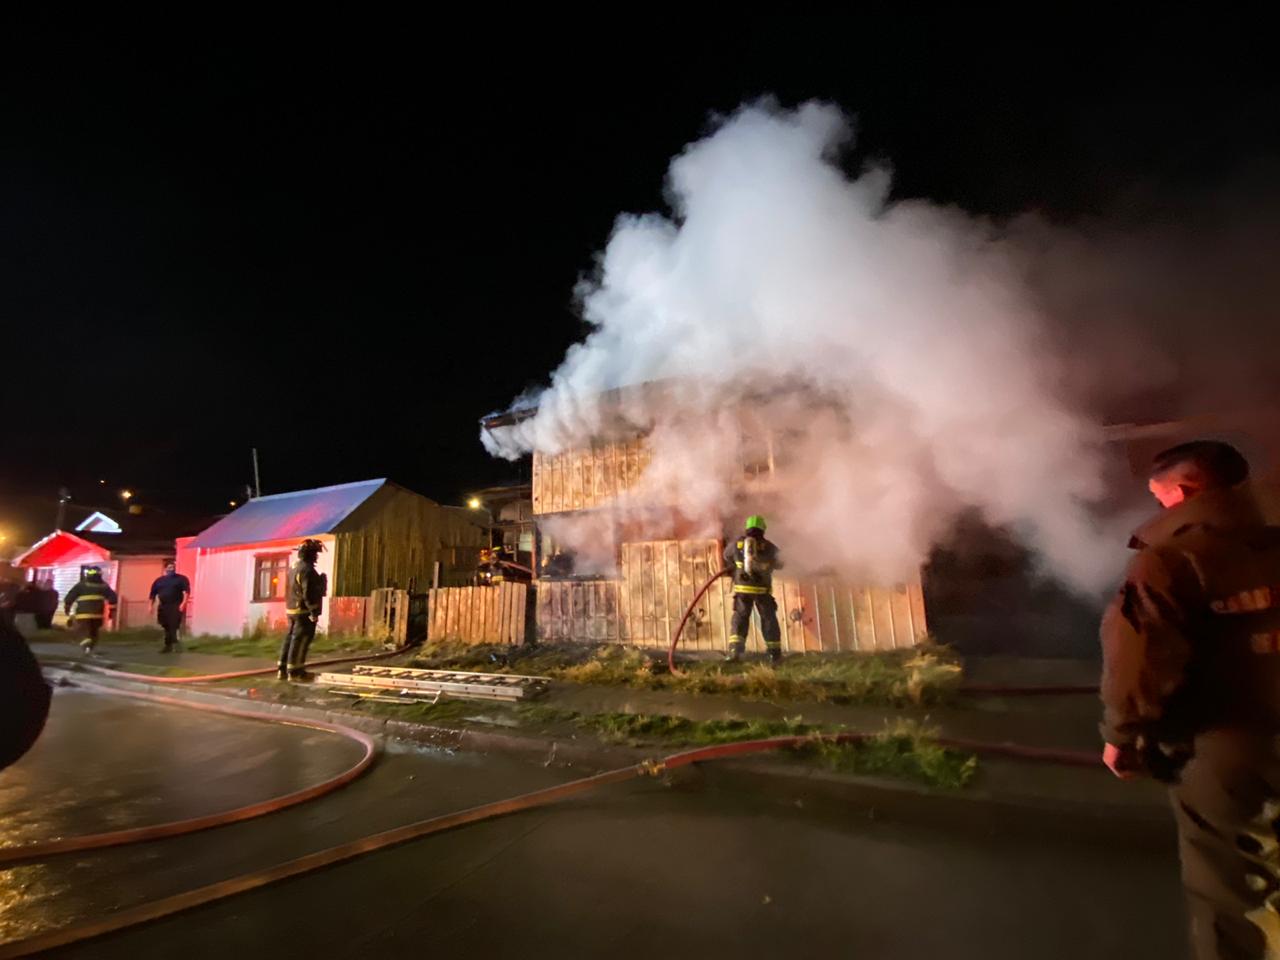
(756,522)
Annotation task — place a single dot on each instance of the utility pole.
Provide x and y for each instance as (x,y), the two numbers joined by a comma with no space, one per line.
(63,496)
(257,484)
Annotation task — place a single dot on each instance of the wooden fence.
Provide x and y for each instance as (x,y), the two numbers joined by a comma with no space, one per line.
(387,617)
(491,614)
(659,580)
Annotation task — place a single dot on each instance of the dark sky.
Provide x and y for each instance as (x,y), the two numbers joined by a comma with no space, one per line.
(344,247)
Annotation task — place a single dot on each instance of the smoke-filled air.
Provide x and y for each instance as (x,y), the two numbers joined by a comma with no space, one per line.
(882,364)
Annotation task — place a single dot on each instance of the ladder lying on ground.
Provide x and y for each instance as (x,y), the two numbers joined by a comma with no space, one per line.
(408,684)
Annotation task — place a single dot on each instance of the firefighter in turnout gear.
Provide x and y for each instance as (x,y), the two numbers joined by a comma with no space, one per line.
(90,598)
(1191,690)
(305,597)
(752,560)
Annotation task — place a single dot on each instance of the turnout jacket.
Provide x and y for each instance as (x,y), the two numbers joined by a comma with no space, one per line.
(307,589)
(760,580)
(90,599)
(1192,640)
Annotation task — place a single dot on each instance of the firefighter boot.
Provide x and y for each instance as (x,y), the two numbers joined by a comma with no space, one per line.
(775,656)
(282,665)
(734,653)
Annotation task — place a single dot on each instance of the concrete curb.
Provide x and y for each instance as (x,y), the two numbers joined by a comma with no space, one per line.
(782,779)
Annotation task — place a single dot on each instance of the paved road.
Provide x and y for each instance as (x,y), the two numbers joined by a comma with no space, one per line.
(637,870)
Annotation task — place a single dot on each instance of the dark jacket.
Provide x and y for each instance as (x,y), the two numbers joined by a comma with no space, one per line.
(1192,640)
(170,589)
(760,580)
(90,598)
(307,589)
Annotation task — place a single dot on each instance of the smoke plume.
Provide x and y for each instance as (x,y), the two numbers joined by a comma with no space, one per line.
(892,361)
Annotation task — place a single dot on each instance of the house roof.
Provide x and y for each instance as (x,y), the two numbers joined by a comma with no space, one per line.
(289,516)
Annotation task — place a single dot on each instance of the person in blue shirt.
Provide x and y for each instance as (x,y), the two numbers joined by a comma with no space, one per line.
(170,595)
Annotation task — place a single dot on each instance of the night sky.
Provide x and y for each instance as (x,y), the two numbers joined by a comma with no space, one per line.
(345,247)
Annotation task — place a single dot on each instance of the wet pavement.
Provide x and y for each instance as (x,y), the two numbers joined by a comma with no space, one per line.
(690,869)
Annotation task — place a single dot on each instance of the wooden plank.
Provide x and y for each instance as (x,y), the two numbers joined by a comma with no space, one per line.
(521,604)
(537,470)
(919,623)
(487,629)
(577,613)
(587,457)
(717,626)
(842,600)
(864,618)
(882,617)
(506,624)
(828,624)
(574,471)
(624,597)
(900,608)
(633,464)
(609,473)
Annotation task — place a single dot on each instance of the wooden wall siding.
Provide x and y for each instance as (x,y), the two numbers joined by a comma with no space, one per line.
(397,536)
(346,614)
(585,478)
(493,614)
(579,610)
(660,578)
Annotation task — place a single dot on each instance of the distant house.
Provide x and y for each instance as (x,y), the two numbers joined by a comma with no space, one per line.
(376,534)
(129,564)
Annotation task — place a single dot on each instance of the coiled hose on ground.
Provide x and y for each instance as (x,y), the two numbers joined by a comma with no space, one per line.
(341,853)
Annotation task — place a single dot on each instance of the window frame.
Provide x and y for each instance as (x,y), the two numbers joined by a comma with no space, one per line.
(260,563)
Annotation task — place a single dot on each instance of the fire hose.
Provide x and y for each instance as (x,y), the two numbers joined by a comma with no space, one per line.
(120,837)
(115,838)
(344,852)
(234,675)
(671,653)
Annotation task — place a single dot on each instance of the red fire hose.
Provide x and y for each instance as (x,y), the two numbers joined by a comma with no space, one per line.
(115,838)
(167,906)
(671,653)
(234,675)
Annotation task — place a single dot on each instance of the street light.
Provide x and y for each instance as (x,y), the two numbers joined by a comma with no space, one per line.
(474,503)
(126,494)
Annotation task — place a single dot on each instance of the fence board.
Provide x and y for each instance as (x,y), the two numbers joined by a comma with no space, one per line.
(474,614)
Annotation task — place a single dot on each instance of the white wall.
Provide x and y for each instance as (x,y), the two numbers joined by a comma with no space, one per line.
(222,592)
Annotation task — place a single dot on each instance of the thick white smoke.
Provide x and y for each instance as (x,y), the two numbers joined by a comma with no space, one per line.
(892,351)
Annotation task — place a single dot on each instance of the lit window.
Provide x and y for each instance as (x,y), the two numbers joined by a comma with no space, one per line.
(270,574)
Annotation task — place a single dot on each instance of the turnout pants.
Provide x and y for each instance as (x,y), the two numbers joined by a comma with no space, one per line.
(293,653)
(169,616)
(89,627)
(740,624)
(1227,805)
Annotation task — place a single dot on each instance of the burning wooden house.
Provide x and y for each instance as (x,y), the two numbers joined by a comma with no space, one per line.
(648,556)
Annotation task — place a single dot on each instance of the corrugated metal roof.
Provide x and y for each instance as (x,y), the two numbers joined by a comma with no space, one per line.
(288,516)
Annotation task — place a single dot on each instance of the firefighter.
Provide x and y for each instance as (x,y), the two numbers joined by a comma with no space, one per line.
(752,560)
(90,598)
(1191,690)
(170,595)
(305,597)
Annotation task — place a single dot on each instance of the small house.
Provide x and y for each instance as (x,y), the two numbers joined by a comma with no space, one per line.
(376,534)
(129,563)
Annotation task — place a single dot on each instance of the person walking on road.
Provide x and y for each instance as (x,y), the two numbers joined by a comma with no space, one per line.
(170,595)
(90,598)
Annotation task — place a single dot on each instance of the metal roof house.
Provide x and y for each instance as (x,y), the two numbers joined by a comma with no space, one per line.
(376,534)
